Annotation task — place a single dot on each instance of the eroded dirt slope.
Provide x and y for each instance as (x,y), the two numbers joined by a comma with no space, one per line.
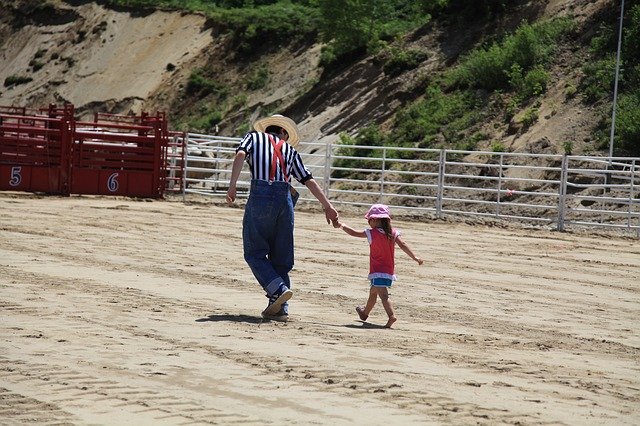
(119,61)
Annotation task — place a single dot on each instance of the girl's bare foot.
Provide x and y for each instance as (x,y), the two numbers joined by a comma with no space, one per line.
(361,314)
(390,322)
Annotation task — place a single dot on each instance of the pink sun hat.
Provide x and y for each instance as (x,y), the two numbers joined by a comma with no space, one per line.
(378,211)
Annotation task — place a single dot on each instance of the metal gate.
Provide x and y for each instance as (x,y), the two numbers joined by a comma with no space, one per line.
(119,155)
(49,151)
(34,150)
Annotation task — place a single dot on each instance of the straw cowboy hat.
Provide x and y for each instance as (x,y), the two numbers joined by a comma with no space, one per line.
(281,121)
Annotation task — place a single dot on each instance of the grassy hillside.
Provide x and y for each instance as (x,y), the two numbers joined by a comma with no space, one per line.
(428,73)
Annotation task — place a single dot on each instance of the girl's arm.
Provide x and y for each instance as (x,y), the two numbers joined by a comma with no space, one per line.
(405,248)
(349,230)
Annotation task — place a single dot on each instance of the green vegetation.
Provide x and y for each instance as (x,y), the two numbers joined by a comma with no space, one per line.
(439,113)
(529,117)
(514,63)
(510,72)
(396,60)
(357,25)
(14,80)
(599,76)
(256,25)
(368,136)
(199,85)
(264,28)
(628,123)
(257,78)
(503,77)
(497,146)
(36,65)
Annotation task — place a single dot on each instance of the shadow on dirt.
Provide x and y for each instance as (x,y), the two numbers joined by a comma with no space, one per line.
(232,318)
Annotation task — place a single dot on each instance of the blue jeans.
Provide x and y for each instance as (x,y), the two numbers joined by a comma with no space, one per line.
(267,233)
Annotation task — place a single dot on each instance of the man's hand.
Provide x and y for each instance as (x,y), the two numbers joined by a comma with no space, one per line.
(231,195)
(331,214)
(238,161)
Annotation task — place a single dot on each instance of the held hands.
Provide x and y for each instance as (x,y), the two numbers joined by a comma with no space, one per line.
(336,223)
(331,215)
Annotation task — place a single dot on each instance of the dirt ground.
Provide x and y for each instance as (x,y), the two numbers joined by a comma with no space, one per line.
(119,311)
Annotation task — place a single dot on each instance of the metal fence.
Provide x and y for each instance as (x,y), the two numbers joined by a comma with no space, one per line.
(558,190)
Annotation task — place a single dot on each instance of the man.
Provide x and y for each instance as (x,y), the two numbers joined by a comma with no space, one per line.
(267,226)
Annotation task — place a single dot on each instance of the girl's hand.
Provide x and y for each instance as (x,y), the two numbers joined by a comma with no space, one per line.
(336,223)
(419,260)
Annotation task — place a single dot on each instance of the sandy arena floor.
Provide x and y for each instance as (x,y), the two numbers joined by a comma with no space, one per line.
(119,311)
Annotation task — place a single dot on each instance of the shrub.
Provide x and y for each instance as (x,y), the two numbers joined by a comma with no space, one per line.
(438,113)
(268,26)
(568,147)
(529,117)
(257,78)
(497,146)
(570,90)
(36,65)
(492,68)
(397,60)
(14,80)
(597,82)
(465,10)
(628,124)
(353,26)
(368,136)
(201,86)
(205,122)
(533,83)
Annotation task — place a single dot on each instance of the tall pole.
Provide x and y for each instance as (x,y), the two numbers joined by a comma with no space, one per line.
(615,85)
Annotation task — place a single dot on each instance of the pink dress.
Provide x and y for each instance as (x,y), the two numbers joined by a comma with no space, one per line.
(381,253)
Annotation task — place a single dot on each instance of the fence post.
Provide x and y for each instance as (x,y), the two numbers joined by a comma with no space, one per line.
(499,186)
(67,130)
(217,166)
(384,158)
(439,195)
(562,192)
(185,155)
(631,189)
(327,169)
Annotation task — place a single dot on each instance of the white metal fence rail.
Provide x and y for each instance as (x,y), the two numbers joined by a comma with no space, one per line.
(541,188)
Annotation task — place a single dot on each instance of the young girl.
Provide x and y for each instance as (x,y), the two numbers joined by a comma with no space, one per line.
(382,240)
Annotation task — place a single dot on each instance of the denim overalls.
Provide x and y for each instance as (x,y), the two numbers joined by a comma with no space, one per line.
(267,229)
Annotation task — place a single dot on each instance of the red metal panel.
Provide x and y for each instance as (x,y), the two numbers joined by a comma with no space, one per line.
(124,156)
(31,153)
(47,150)
(111,182)
(29,178)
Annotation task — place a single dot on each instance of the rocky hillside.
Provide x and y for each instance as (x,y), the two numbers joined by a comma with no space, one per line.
(122,61)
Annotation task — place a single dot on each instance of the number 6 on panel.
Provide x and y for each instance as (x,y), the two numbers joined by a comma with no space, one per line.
(112,182)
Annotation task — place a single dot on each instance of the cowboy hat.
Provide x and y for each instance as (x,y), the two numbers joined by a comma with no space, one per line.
(281,121)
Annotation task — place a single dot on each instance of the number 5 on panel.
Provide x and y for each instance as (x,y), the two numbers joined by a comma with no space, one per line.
(16,177)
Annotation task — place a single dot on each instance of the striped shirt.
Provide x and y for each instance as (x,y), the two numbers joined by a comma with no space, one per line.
(259,157)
